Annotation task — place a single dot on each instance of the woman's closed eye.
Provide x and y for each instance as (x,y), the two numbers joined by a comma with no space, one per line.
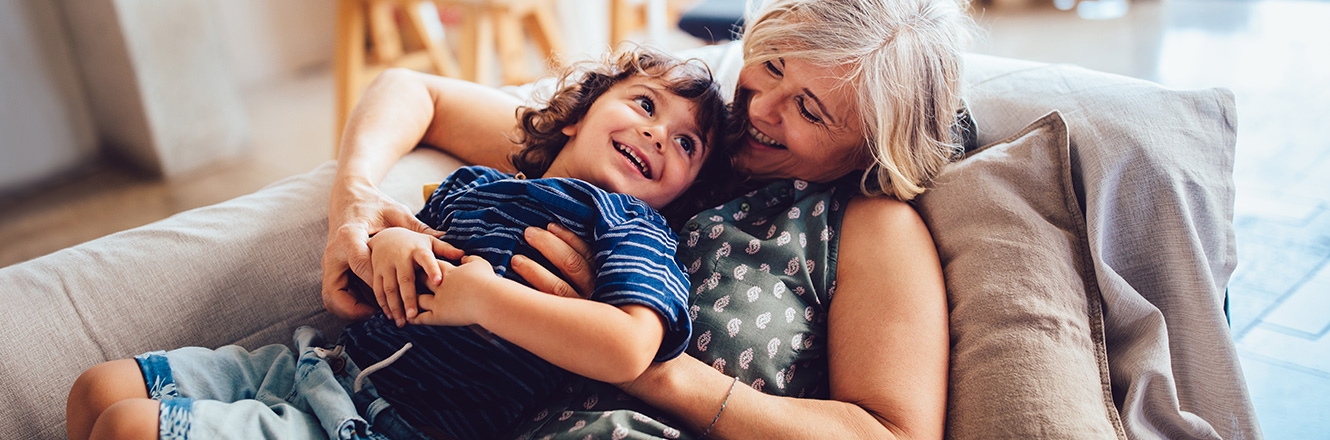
(646,103)
(803,110)
(799,99)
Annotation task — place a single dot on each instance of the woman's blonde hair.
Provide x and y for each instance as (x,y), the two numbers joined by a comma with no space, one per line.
(903,60)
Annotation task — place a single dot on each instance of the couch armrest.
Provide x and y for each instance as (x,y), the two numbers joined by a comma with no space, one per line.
(245,271)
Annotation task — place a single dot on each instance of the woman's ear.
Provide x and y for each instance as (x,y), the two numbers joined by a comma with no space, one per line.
(570,129)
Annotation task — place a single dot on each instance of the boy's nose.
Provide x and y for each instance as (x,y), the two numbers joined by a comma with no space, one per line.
(655,134)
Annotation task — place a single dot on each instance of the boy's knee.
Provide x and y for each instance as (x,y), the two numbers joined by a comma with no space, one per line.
(128,419)
(98,388)
(109,382)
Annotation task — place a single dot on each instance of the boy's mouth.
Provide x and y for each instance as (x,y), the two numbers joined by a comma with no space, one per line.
(764,139)
(631,154)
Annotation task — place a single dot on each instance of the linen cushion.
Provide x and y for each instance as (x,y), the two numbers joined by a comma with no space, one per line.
(1153,169)
(1028,356)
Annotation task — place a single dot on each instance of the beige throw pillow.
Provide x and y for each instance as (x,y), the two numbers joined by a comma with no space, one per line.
(1027,344)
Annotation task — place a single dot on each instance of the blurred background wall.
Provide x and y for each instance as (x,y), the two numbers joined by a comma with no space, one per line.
(45,124)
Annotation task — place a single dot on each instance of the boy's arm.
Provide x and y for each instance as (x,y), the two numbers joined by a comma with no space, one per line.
(589,338)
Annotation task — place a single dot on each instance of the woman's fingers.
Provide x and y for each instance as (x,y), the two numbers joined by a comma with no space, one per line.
(350,244)
(338,296)
(405,219)
(447,251)
(572,240)
(569,254)
(542,279)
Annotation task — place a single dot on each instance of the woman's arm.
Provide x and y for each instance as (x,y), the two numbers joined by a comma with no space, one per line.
(399,110)
(888,345)
(589,338)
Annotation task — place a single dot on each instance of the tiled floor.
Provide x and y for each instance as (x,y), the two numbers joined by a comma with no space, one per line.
(1274,56)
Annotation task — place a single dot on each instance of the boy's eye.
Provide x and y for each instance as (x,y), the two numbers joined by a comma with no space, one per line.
(773,70)
(689,145)
(646,104)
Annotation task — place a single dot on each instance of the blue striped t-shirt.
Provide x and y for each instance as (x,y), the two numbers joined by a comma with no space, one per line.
(456,380)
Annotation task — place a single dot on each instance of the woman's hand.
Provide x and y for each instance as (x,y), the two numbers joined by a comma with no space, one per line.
(569,253)
(399,110)
(356,211)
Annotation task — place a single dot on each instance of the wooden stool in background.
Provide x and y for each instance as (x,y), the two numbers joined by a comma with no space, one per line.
(358,59)
(370,40)
(491,24)
(627,16)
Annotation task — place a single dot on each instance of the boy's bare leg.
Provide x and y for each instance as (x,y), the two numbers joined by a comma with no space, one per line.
(100,387)
(128,419)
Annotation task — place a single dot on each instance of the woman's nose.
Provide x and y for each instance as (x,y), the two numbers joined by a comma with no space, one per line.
(762,107)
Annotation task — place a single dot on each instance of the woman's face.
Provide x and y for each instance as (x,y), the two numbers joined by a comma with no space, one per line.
(801,122)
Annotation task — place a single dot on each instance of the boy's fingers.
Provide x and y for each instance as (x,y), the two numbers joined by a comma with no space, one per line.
(541,278)
(406,281)
(471,258)
(432,271)
(392,296)
(426,315)
(378,293)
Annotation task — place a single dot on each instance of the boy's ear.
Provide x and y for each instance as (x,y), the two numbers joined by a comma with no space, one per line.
(570,129)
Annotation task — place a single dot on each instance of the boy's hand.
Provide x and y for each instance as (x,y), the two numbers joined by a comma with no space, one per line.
(454,301)
(395,253)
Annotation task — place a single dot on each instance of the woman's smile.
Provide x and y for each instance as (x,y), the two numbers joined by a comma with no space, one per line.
(763,139)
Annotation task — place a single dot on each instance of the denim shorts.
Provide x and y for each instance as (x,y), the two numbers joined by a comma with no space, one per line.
(268,393)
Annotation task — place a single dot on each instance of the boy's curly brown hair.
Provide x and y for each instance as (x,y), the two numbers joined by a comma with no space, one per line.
(540,130)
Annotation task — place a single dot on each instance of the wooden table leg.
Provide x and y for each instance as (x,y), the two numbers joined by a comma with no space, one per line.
(444,63)
(477,44)
(544,29)
(349,61)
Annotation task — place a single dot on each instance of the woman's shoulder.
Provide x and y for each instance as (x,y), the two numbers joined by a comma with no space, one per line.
(882,214)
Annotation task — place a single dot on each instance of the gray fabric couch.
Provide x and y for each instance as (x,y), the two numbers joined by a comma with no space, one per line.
(1086,259)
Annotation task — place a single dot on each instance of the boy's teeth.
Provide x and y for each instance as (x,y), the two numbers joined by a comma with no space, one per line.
(758,136)
(641,165)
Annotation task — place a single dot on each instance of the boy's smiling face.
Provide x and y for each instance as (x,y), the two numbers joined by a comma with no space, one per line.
(638,139)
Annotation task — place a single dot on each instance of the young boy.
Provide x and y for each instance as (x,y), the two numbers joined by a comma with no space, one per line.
(628,138)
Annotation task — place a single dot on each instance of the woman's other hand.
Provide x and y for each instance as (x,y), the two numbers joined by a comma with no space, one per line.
(356,211)
(569,253)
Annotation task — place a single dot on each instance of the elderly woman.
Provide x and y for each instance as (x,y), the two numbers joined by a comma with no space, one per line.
(817,295)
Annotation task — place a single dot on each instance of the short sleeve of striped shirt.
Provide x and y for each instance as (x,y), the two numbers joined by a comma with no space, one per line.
(637,266)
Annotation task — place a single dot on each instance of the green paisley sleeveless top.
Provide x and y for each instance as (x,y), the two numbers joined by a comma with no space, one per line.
(762,269)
